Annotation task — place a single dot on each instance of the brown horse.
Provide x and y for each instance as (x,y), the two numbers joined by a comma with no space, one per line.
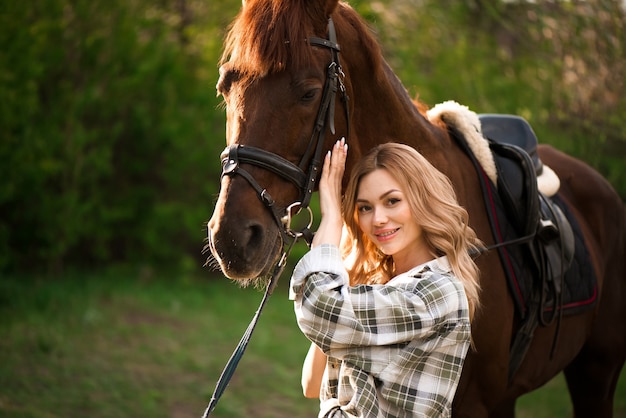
(279,57)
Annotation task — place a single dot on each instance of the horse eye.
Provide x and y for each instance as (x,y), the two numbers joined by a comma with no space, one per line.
(309,95)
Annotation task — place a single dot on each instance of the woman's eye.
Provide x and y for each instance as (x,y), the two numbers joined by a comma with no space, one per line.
(392,201)
(363,209)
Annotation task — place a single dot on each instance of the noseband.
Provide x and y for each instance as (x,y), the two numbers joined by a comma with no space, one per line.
(301,175)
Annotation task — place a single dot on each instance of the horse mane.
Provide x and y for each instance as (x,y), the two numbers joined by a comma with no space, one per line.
(268,36)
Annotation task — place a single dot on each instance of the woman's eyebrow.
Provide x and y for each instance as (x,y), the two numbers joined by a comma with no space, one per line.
(382,196)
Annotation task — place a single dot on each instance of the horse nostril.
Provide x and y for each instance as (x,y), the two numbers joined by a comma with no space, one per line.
(256,235)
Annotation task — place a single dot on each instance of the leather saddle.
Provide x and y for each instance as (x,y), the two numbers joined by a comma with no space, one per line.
(546,235)
(514,147)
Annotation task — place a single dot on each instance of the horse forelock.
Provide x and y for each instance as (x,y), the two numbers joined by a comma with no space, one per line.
(268,36)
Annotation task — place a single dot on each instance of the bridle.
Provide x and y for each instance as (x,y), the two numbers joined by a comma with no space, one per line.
(301,175)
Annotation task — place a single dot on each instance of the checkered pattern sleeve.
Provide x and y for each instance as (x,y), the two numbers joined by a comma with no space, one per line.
(336,316)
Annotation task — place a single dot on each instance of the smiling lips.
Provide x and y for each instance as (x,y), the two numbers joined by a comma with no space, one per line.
(386,235)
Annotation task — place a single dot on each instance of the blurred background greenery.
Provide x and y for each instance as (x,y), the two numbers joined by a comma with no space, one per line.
(111,128)
(110,132)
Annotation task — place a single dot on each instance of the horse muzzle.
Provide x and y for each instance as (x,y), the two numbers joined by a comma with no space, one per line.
(244,250)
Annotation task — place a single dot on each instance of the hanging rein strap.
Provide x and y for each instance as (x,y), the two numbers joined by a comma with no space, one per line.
(231,366)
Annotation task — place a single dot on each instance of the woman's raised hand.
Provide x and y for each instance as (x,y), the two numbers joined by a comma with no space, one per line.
(329,230)
(330,181)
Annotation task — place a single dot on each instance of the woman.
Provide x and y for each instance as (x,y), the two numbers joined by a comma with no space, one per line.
(390,330)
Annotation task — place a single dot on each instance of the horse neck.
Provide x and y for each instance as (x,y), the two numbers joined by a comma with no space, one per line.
(385,111)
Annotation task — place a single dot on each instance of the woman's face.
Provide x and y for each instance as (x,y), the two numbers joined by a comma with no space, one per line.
(385,217)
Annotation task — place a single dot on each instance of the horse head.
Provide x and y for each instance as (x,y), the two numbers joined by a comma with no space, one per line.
(285,95)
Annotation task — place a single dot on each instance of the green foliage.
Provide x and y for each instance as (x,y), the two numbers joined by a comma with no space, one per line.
(558,64)
(110,132)
(111,129)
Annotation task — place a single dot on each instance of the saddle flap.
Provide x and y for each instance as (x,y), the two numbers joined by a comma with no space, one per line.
(559,246)
(517,186)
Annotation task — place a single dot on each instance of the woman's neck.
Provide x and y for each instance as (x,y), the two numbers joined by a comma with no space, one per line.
(404,263)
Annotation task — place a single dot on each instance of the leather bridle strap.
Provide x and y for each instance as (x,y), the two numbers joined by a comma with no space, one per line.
(330,87)
(256,156)
(238,153)
(326,111)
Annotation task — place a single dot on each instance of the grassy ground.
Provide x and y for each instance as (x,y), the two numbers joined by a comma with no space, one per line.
(130,344)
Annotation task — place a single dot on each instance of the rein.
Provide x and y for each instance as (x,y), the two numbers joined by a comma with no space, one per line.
(516,241)
(231,366)
(303,178)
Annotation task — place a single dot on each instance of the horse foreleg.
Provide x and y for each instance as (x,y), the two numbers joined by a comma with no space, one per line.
(593,375)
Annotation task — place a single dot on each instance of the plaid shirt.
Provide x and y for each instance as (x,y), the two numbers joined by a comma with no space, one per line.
(394,350)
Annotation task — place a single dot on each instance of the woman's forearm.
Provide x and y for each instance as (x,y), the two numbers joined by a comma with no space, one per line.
(313,372)
(329,231)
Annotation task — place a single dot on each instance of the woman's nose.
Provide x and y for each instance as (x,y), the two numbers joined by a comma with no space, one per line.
(380,217)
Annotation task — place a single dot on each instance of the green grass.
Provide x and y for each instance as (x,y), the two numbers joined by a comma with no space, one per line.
(121,346)
(131,344)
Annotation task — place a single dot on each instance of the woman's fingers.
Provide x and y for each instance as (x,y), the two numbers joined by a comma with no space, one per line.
(332,173)
(329,230)
(340,154)
(337,157)
(334,164)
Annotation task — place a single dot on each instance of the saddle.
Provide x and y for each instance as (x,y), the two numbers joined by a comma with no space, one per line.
(514,147)
(538,240)
(546,243)
(540,243)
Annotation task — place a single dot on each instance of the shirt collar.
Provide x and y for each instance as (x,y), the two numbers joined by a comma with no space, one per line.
(439,265)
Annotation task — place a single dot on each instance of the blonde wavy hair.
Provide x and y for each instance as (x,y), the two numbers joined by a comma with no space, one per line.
(433,203)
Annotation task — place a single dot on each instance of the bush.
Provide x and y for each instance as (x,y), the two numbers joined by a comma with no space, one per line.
(558,64)
(110,133)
